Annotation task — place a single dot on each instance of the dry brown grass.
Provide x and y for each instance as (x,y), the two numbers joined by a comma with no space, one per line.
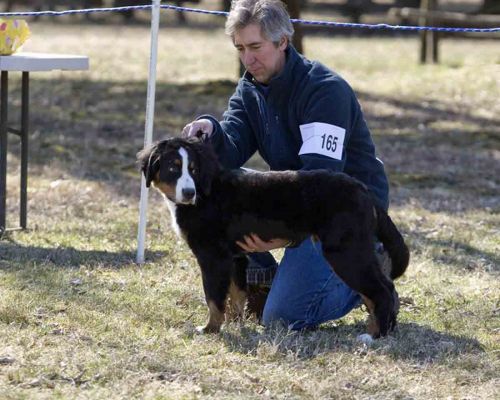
(78,319)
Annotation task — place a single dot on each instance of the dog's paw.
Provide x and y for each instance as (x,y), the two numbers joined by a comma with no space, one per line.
(202,330)
(365,338)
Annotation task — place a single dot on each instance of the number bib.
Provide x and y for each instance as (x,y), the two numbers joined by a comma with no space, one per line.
(321,138)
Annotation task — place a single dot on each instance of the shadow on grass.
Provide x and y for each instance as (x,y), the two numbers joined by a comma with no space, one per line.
(455,253)
(93,130)
(67,257)
(410,342)
(417,112)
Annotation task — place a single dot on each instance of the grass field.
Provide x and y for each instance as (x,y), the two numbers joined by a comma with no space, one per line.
(79,319)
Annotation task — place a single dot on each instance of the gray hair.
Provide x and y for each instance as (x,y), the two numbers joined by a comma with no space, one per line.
(270,15)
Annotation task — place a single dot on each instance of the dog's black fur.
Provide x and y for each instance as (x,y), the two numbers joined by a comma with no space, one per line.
(336,209)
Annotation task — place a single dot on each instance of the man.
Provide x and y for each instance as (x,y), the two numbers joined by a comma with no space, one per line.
(298,115)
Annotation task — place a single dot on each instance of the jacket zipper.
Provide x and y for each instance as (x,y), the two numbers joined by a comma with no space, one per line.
(263,111)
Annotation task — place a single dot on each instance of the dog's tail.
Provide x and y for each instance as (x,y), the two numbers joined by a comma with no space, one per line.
(393,242)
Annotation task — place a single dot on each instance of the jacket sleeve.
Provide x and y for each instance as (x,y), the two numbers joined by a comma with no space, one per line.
(330,101)
(233,138)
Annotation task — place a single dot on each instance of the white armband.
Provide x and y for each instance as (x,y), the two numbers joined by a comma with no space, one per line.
(321,138)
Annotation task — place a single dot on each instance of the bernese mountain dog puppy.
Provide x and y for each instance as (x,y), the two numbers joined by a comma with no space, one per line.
(212,208)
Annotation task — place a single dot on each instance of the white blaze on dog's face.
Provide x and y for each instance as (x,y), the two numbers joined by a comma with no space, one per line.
(175,177)
(185,190)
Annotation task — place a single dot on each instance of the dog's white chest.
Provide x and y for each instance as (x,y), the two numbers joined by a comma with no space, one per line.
(172,207)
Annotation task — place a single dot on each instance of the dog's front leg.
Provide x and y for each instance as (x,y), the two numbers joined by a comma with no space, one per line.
(238,289)
(216,288)
(216,274)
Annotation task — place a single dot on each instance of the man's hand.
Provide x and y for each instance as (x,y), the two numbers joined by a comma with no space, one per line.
(254,244)
(198,128)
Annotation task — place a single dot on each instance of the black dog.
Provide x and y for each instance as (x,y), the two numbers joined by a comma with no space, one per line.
(214,208)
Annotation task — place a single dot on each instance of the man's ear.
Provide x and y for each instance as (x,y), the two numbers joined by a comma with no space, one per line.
(283,43)
(149,162)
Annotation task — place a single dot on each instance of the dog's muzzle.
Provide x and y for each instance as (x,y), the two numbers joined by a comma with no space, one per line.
(188,195)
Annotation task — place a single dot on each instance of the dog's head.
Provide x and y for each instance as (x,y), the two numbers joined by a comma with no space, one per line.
(181,169)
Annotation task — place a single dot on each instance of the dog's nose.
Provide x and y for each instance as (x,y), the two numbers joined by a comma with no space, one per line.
(188,193)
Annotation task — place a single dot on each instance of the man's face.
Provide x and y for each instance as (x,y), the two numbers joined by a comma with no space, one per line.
(259,55)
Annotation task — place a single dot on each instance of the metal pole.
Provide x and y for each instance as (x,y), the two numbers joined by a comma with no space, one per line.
(4,90)
(148,135)
(24,149)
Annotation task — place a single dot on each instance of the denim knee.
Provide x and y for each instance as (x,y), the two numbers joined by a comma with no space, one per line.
(305,291)
(275,314)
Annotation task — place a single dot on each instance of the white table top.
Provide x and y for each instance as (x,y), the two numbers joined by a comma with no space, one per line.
(43,62)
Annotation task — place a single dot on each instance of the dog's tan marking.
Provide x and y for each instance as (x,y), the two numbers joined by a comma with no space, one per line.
(236,303)
(178,162)
(215,319)
(167,190)
(373,328)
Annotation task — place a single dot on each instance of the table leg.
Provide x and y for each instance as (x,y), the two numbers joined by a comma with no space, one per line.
(3,147)
(24,150)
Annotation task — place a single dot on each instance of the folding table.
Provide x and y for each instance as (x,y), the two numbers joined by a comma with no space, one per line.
(24,63)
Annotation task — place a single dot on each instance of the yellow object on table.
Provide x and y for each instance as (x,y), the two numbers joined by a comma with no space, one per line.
(13,34)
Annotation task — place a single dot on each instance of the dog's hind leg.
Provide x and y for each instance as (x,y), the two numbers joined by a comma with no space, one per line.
(372,320)
(357,266)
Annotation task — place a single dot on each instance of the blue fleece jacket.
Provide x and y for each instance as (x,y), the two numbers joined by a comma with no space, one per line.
(268,120)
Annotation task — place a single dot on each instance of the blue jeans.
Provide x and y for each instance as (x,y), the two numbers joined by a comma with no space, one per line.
(305,291)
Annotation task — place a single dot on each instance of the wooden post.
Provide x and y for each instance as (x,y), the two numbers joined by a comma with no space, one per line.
(428,39)
(294,11)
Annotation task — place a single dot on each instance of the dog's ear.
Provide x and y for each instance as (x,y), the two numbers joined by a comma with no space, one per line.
(149,163)
(208,165)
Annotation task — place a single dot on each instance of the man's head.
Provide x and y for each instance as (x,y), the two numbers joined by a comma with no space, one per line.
(261,31)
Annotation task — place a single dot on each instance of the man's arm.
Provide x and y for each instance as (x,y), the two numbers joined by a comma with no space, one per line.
(330,111)
(232,138)
(333,129)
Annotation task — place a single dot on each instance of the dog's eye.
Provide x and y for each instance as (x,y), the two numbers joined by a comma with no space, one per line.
(193,171)
(173,169)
